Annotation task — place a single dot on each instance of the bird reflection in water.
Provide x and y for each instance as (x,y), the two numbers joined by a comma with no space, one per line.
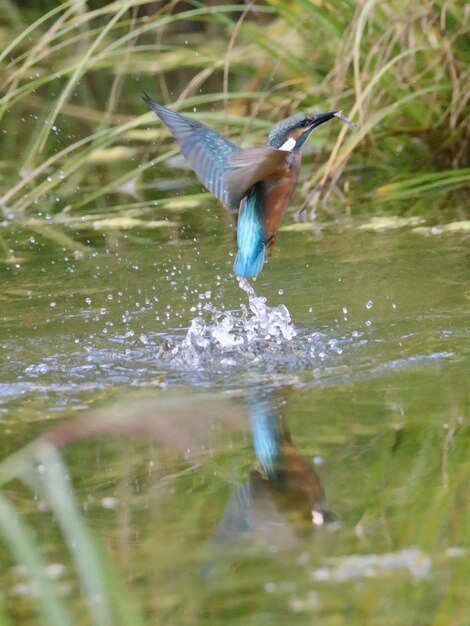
(282,501)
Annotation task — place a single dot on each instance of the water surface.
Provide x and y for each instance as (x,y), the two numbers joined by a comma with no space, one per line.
(352,354)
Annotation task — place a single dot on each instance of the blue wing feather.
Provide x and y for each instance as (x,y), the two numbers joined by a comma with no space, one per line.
(206,151)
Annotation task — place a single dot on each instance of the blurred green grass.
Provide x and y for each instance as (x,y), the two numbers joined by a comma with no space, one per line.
(76,137)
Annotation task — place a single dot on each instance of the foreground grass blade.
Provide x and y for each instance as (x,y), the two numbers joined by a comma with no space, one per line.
(4,617)
(89,568)
(22,545)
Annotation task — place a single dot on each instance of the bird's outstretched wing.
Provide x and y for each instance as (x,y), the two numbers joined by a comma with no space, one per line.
(205,150)
(251,165)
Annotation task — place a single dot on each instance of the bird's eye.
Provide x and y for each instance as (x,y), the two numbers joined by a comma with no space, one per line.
(306,122)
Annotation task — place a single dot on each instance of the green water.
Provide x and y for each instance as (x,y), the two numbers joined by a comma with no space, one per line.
(374,388)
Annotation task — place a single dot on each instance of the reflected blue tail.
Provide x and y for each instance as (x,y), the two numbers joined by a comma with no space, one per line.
(250,239)
(267,435)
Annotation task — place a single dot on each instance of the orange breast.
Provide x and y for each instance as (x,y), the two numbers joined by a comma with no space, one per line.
(277,194)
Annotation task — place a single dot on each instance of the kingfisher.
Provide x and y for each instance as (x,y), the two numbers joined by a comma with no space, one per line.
(255,184)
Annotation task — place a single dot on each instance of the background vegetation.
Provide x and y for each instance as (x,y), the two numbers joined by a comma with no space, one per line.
(78,147)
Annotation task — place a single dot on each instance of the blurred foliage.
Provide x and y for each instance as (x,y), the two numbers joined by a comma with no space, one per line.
(76,138)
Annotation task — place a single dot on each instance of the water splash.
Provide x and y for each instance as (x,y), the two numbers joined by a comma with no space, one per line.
(254,344)
(255,332)
(257,322)
(269,322)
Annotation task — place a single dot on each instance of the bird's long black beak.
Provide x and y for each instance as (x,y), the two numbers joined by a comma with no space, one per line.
(321,118)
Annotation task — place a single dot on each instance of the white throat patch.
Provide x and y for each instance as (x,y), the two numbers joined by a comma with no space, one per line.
(289,145)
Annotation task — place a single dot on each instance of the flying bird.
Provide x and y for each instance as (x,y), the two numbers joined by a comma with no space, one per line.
(256,184)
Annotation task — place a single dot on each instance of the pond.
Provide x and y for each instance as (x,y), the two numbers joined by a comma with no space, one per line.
(289,451)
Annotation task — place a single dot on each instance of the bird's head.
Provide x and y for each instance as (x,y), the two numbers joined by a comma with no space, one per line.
(291,133)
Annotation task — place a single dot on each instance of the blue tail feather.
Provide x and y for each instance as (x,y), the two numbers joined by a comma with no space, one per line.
(250,239)
(248,266)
